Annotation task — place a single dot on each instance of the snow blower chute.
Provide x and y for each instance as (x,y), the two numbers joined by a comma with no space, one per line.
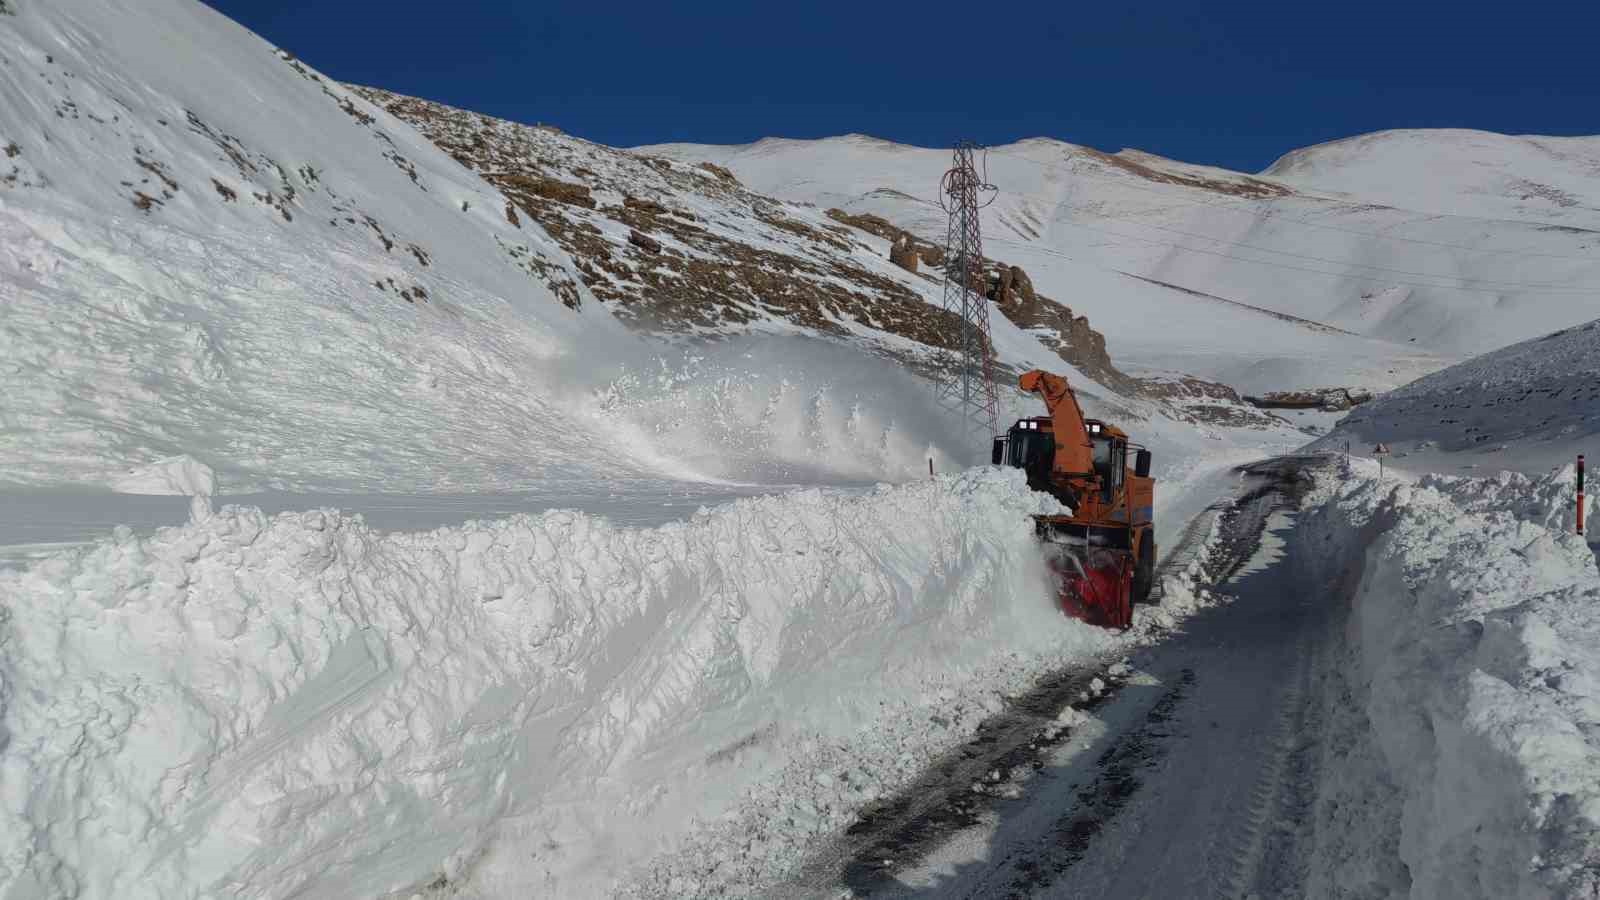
(1104,553)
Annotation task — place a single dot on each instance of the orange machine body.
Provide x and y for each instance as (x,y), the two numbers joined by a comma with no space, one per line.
(1104,550)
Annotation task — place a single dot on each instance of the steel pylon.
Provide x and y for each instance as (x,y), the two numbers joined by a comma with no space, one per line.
(966,380)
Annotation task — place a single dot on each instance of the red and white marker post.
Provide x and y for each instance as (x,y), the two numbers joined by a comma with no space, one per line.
(1580,493)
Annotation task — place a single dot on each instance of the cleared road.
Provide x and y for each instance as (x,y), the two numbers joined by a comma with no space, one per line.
(1191,775)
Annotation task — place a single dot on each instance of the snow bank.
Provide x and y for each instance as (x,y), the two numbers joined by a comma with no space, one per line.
(1475,623)
(257,705)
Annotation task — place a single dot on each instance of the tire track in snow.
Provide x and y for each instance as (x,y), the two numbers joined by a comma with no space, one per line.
(959,791)
(1118,780)
(1249,842)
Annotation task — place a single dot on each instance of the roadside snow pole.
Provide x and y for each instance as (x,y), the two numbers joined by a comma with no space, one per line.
(930,467)
(1580,493)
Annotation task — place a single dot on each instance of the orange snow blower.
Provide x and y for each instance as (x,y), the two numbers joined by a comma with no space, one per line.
(1104,552)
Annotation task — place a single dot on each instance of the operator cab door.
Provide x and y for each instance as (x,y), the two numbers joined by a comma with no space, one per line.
(1110,462)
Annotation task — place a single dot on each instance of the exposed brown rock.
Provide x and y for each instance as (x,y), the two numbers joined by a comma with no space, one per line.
(706,278)
(1329,399)
(720,172)
(644,241)
(904,254)
(548,188)
(867,222)
(1243,186)
(1197,400)
(930,254)
(1012,292)
(648,207)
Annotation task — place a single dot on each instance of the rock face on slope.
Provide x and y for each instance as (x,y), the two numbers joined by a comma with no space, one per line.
(911,247)
(1330,399)
(1011,291)
(680,247)
(673,247)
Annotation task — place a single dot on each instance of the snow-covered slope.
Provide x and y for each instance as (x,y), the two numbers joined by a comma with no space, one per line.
(679,247)
(1458,172)
(212,251)
(1236,249)
(1527,407)
(207,248)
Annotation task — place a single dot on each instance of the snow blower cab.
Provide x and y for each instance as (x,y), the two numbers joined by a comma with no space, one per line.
(1103,552)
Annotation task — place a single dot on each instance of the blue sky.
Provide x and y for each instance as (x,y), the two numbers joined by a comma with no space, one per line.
(1232,84)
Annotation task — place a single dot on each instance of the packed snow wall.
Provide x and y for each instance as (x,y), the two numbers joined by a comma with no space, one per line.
(265,705)
(1473,630)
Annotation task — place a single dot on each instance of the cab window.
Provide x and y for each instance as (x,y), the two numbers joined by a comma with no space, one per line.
(1109,456)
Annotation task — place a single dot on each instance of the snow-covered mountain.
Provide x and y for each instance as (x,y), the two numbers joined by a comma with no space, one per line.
(1274,281)
(1458,172)
(211,250)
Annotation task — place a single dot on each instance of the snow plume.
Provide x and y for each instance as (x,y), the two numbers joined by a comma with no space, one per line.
(263,706)
(1475,618)
(787,410)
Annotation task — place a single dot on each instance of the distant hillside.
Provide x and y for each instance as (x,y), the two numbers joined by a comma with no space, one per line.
(1527,407)
(680,248)
(1353,235)
(1554,180)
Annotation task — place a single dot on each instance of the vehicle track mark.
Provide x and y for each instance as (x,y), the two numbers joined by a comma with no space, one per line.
(1117,782)
(1242,857)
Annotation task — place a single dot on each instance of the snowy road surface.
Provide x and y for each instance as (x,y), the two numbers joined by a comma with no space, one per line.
(1190,775)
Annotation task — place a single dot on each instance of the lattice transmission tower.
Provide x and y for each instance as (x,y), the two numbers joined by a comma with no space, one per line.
(966,381)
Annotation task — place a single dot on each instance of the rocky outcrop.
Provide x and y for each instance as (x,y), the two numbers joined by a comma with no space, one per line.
(903,254)
(643,241)
(720,173)
(1013,294)
(624,221)
(1327,399)
(930,254)
(1204,402)
(547,188)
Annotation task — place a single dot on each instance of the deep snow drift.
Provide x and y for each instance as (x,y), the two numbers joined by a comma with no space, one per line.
(535,704)
(267,705)
(1474,634)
